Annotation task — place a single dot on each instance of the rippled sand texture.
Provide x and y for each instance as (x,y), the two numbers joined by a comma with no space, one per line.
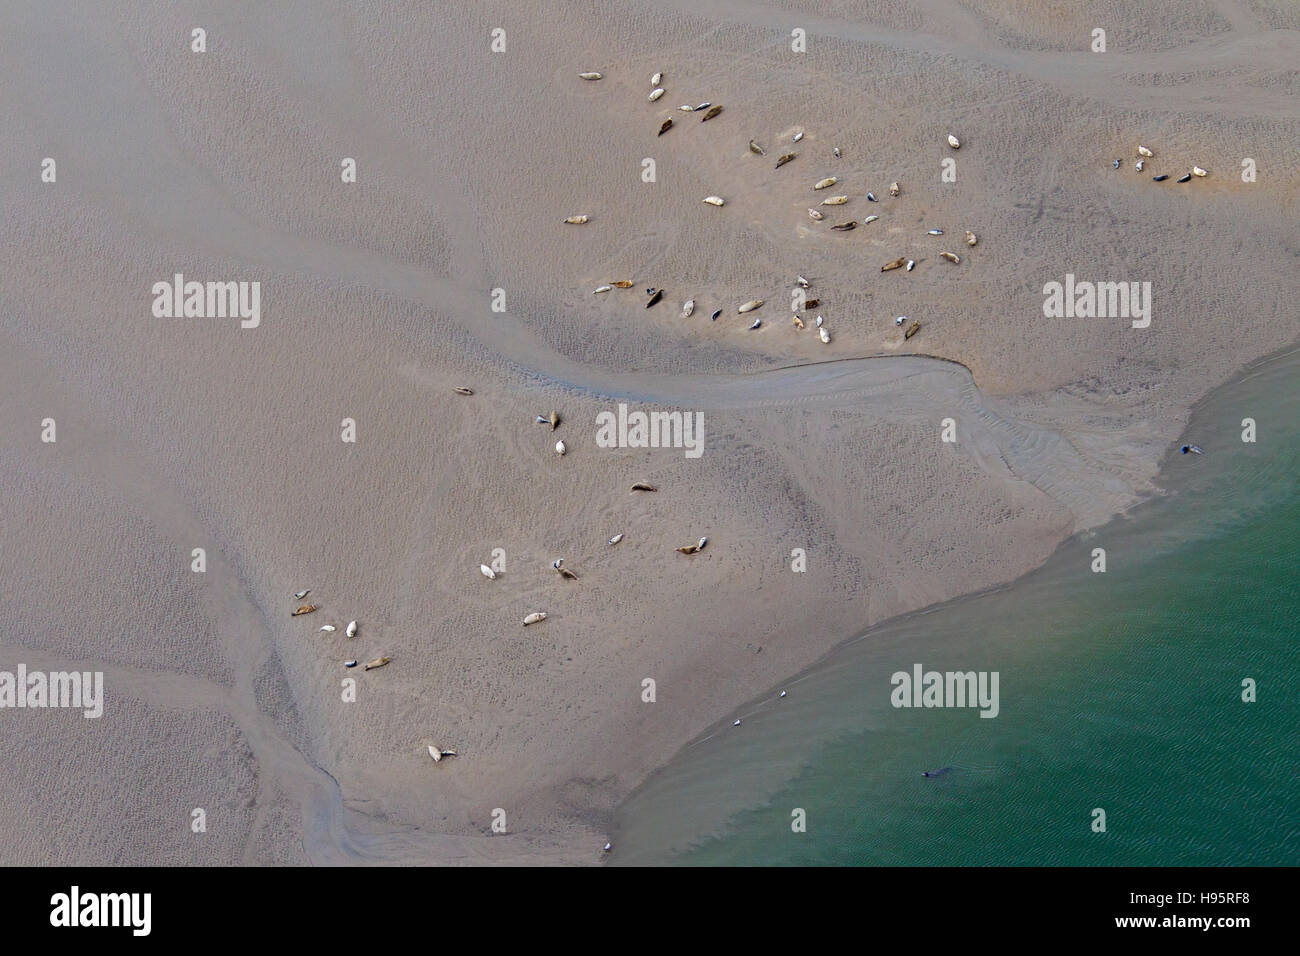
(182,433)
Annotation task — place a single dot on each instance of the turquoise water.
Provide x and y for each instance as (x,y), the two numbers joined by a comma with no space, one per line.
(1120,691)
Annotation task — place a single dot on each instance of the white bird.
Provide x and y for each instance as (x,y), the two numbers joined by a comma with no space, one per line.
(488,572)
(351,629)
(329,628)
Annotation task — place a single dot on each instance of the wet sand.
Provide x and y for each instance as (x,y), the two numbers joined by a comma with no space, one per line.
(183,433)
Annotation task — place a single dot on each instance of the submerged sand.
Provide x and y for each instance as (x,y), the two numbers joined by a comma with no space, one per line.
(376,300)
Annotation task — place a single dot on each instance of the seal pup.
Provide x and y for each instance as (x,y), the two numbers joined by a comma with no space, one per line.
(715,200)
(560,448)
(665,126)
(782,160)
(756,149)
(622,284)
(749,306)
(688,308)
(893,264)
(1143,151)
(869,220)
(656,93)
(894,189)
(757,323)
(437,753)
(576,220)
(1185,177)
(815,216)
(591,76)
(304,609)
(351,629)
(951,257)
(954,142)
(328,628)
(617,538)
(825,336)
(535,618)
(658,294)
(713,111)
(912,330)
(971,238)
(644,486)
(377,662)
(826,183)
(463,390)
(1161,178)
(299,595)
(487,572)
(835,201)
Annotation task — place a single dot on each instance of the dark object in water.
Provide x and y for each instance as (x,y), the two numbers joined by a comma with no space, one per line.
(1161,178)
(1186,178)
(936,773)
(659,294)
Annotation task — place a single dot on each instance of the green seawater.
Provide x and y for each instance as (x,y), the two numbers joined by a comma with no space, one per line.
(1119,691)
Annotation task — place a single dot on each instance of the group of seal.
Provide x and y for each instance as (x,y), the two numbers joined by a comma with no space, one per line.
(1147,153)
(352,628)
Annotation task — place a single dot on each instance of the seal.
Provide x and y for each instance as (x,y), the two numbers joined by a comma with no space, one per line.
(535,618)
(487,572)
(601,288)
(437,753)
(713,111)
(665,126)
(560,448)
(824,336)
(750,306)
(715,200)
(801,282)
(869,220)
(835,201)
(622,284)
(954,142)
(798,322)
(815,216)
(934,232)
(349,663)
(756,149)
(328,628)
(1161,178)
(757,323)
(351,629)
(463,390)
(894,189)
(825,183)
(617,538)
(693,548)
(1197,171)
(836,152)
(576,220)
(970,238)
(703,106)
(951,257)
(895,264)
(812,303)
(1140,165)
(716,314)
(911,264)
(797,136)
(591,76)
(656,93)
(1185,177)
(554,420)
(688,308)
(1143,151)
(871,197)
(781,161)
(658,294)
(305,609)
(912,330)
(567,574)
(656,79)
(377,662)
(644,486)
(845,226)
